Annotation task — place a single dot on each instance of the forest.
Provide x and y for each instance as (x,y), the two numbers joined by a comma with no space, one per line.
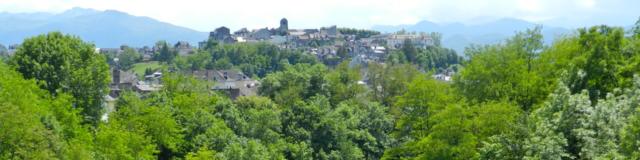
(576,98)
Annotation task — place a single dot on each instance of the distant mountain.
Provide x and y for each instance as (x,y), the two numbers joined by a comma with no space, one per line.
(458,35)
(106,29)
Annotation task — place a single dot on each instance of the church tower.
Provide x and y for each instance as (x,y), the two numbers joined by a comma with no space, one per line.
(284,27)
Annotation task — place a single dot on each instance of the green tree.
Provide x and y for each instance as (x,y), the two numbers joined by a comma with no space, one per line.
(202,154)
(36,125)
(602,57)
(629,138)
(66,64)
(412,112)
(295,82)
(424,98)
(259,119)
(629,143)
(554,123)
(165,52)
(450,138)
(494,118)
(387,82)
(115,141)
(343,83)
(410,51)
(505,71)
(129,57)
(155,122)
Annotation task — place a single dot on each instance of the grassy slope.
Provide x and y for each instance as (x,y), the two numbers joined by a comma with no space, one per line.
(139,68)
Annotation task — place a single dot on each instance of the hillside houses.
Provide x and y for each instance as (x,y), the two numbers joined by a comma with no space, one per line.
(281,35)
(233,83)
(121,81)
(222,34)
(184,48)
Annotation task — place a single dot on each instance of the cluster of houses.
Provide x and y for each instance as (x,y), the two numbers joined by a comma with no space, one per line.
(231,82)
(281,36)
(323,42)
(129,81)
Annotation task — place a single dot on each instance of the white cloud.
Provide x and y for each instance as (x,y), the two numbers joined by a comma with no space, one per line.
(529,5)
(587,3)
(206,15)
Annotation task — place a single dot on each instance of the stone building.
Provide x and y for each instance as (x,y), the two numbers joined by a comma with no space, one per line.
(329,32)
(222,34)
(184,48)
(283,30)
(261,34)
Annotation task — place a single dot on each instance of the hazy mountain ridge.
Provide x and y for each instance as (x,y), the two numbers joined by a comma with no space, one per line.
(105,28)
(458,35)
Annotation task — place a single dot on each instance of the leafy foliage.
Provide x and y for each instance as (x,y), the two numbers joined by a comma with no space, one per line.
(575,99)
(66,64)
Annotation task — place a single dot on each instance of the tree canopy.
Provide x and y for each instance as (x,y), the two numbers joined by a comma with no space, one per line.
(576,98)
(65,64)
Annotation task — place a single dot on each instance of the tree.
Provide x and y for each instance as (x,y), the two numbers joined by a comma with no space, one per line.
(257,59)
(629,143)
(114,141)
(413,111)
(343,83)
(66,64)
(155,122)
(358,33)
(505,71)
(494,118)
(629,138)
(424,97)
(202,154)
(165,53)
(409,50)
(450,138)
(596,61)
(387,82)
(295,82)
(260,119)
(129,57)
(437,38)
(38,126)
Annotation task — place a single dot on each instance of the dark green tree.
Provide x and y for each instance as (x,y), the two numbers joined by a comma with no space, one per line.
(129,57)
(66,64)
(410,51)
(36,125)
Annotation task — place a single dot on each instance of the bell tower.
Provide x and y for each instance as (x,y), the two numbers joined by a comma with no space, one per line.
(284,27)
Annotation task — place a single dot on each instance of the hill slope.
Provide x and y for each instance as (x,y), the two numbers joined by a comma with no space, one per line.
(104,28)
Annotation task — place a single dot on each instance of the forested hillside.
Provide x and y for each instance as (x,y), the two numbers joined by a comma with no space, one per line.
(577,98)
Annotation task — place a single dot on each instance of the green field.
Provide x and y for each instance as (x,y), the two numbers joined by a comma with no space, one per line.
(139,68)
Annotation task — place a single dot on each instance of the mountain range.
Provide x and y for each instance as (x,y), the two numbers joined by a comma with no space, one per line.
(457,35)
(106,29)
(110,28)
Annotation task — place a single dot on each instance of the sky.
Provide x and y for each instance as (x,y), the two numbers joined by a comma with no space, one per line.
(205,15)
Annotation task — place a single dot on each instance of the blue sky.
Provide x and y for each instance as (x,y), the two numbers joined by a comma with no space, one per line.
(204,15)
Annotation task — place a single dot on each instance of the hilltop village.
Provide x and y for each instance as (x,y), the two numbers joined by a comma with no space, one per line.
(326,93)
(328,44)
